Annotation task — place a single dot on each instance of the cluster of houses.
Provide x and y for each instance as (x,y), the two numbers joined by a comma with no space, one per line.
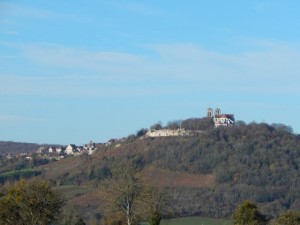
(70,149)
(54,152)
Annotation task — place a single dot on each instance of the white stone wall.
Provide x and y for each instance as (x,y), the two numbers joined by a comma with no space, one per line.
(167,133)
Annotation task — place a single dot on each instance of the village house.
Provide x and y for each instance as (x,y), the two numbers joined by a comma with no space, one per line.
(71,149)
(51,149)
(41,150)
(58,150)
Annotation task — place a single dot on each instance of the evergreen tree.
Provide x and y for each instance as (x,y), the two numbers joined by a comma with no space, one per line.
(247,214)
(30,203)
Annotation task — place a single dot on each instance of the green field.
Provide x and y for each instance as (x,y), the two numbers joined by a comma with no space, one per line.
(195,221)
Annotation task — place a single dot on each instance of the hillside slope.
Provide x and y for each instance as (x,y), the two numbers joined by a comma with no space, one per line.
(208,174)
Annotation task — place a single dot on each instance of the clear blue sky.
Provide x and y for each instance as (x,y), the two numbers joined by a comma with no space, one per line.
(75,71)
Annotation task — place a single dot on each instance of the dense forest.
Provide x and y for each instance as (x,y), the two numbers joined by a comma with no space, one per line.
(257,161)
(208,174)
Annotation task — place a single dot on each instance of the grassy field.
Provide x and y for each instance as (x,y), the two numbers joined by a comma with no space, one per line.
(196,221)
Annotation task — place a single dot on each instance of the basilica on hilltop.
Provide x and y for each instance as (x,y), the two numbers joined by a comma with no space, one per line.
(225,120)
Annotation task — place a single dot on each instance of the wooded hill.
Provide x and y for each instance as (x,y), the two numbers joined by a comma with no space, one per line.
(208,174)
(17,147)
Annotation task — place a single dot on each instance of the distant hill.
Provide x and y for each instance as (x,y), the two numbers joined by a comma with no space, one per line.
(17,147)
(208,174)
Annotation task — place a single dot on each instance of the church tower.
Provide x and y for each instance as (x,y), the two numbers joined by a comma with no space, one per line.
(217,112)
(210,112)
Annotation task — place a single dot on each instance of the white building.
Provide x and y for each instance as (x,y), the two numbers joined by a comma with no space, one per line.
(225,120)
(71,149)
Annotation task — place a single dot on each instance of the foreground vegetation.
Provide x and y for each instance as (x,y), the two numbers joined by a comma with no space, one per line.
(33,203)
(130,203)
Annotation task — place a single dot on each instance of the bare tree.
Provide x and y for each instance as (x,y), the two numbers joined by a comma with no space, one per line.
(130,193)
(124,191)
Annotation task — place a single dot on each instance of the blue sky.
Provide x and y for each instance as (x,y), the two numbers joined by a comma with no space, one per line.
(75,71)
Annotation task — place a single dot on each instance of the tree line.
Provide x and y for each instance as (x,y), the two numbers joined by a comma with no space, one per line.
(131,201)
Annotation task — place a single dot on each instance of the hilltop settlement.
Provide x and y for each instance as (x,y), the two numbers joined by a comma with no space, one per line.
(189,127)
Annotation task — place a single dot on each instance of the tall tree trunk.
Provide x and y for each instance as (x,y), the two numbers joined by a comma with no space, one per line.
(128,212)
(128,217)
